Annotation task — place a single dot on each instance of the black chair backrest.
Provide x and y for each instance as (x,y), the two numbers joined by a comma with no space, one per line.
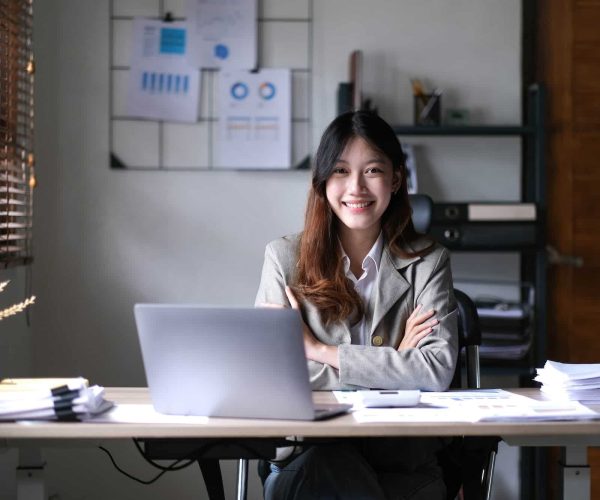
(469,334)
(422,211)
(469,330)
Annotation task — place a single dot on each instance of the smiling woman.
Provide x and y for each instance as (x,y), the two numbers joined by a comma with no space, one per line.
(377,307)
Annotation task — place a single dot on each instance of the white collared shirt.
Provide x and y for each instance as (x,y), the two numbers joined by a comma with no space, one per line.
(364,287)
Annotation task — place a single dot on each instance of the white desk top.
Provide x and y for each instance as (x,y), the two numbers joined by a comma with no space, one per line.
(343,426)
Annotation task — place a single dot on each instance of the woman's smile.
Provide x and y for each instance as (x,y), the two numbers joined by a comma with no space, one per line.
(357,205)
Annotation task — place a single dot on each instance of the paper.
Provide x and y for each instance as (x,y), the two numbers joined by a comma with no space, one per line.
(419,414)
(223,34)
(500,405)
(162,84)
(570,381)
(494,405)
(34,401)
(255,119)
(144,414)
(554,370)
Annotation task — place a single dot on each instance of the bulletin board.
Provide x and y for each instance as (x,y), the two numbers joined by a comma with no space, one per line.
(284,41)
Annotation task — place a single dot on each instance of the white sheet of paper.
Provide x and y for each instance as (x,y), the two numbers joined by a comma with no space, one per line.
(255,114)
(223,34)
(373,415)
(162,84)
(143,414)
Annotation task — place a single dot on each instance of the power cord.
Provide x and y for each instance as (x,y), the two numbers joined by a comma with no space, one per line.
(180,464)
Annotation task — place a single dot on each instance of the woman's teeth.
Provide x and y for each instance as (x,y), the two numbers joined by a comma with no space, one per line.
(358,205)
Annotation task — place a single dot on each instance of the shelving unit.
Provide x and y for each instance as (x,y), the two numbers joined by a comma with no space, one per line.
(533,190)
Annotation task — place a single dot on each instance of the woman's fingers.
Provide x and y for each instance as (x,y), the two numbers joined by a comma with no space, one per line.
(417,318)
(424,326)
(418,325)
(415,312)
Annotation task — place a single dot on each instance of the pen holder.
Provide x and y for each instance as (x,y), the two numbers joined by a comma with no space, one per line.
(428,109)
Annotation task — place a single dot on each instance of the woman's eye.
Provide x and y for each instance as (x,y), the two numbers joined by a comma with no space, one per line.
(339,170)
(374,170)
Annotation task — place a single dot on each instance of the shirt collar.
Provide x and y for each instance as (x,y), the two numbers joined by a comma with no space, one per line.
(373,255)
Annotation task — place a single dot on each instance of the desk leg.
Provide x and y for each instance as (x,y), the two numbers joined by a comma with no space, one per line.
(575,472)
(30,475)
(242,483)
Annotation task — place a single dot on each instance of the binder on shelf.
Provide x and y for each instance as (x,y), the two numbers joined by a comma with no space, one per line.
(481,212)
(486,235)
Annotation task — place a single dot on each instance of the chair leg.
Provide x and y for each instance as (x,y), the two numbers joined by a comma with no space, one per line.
(211,473)
(489,476)
(242,479)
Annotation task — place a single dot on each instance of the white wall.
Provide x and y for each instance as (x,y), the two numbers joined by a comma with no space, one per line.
(106,239)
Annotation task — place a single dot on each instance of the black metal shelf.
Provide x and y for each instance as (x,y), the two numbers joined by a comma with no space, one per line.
(531,243)
(471,130)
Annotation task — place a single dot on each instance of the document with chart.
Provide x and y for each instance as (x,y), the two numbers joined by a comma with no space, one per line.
(255,111)
(223,34)
(162,84)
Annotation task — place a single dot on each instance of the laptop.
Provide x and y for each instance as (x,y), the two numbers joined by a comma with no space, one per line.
(227,362)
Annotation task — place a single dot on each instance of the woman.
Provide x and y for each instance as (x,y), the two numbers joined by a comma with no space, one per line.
(378,309)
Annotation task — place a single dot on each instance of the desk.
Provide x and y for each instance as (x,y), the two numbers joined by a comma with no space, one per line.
(573,437)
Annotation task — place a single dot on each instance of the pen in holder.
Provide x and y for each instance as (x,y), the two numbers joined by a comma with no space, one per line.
(428,109)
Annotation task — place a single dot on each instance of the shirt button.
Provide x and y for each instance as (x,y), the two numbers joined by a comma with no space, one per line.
(377,340)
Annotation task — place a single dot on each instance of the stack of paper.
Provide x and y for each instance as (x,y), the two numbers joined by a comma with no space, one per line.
(50,399)
(505,329)
(578,382)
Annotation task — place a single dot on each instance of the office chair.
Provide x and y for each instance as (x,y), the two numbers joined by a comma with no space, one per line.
(422,211)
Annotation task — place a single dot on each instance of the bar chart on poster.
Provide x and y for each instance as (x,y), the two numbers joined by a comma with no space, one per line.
(191,79)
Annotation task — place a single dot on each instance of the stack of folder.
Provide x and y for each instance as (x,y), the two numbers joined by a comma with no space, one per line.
(50,399)
(576,382)
(505,329)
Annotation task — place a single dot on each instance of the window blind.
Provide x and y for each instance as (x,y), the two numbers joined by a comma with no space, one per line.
(17,177)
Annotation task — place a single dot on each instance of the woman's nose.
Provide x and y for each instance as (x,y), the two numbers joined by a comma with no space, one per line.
(357,184)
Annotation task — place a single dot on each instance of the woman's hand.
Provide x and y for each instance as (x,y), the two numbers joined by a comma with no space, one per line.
(418,326)
(315,350)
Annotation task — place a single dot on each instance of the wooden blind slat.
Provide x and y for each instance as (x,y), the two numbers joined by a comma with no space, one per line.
(16,131)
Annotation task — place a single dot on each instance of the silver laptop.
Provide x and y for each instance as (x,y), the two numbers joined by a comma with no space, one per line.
(227,362)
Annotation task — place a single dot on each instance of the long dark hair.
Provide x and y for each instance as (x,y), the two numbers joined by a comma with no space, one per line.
(320,275)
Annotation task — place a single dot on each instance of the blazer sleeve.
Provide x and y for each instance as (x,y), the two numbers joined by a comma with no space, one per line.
(276,274)
(430,366)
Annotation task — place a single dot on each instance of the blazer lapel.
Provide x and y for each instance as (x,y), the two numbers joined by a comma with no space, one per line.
(391,285)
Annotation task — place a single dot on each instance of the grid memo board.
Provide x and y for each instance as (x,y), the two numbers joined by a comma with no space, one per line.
(284,41)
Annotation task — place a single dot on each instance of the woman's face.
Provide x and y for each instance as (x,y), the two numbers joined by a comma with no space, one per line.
(360,187)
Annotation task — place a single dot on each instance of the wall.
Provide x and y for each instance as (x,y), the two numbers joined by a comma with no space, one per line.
(106,239)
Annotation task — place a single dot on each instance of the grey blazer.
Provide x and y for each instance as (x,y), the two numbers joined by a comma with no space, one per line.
(402,284)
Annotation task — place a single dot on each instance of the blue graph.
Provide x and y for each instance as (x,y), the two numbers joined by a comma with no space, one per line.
(165,83)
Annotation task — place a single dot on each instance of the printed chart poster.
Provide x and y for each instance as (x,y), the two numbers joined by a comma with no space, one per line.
(162,84)
(255,113)
(223,33)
